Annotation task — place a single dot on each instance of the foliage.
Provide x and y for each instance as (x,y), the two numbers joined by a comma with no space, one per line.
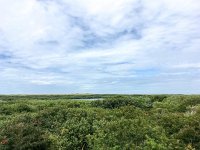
(119,101)
(116,122)
(23,136)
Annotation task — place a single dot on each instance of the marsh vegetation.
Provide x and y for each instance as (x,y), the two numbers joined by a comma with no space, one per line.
(114,122)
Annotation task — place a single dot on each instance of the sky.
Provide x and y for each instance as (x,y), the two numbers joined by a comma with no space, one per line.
(99,46)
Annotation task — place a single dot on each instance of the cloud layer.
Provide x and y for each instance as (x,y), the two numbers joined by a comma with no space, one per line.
(101,46)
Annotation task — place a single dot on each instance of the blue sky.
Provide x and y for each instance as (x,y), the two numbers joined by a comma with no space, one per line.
(99,46)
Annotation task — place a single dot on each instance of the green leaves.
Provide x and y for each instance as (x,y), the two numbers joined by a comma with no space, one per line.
(115,123)
(22,136)
(120,101)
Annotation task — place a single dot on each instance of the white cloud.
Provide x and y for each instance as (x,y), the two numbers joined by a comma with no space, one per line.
(61,42)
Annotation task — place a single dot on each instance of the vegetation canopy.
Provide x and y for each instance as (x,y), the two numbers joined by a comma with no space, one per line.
(100,122)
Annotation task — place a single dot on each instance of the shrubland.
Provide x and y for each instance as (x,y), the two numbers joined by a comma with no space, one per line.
(116,122)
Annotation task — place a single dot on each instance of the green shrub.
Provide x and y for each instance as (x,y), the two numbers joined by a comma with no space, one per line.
(23,108)
(22,136)
(149,122)
(119,101)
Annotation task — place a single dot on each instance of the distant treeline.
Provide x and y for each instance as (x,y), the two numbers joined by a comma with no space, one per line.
(73,96)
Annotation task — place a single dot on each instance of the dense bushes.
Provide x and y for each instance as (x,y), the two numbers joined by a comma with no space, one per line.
(22,136)
(118,122)
(119,101)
